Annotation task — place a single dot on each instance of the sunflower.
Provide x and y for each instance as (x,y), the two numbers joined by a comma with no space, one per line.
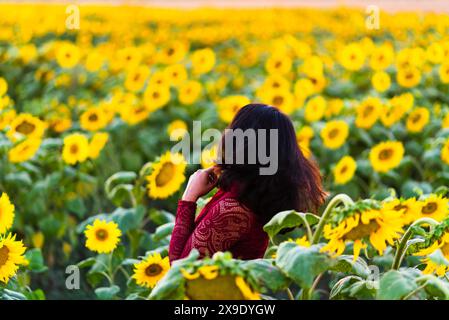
(97,144)
(438,266)
(444,122)
(334,107)
(159,78)
(280,99)
(278,64)
(102,236)
(435,207)
(245,289)
(24,151)
(418,119)
(315,108)
(67,55)
(229,106)
(408,208)
(203,60)
(173,52)
(435,53)
(135,114)
(312,66)
(276,82)
(303,88)
(381,57)
(167,176)
(136,77)
(26,126)
(11,257)
(352,57)
(445,152)
(156,97)
(93,119)
(381,81)
(363,225)
(334,134)
(6,213)
(189,92)
(127,58)
(3,87)
(386,155)
(149,271)
(75,149)
(443,72)
(408,77)
(177,129)
(344,170)
(6,118)
(368,112)
(176,74)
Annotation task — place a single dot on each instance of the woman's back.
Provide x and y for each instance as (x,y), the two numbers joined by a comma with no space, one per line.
(223,225)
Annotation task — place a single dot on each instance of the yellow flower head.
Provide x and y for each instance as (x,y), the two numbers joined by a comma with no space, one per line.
(418,119)
(203,60)
(368,112)
(97,144)
(228,107)
(167,176)
(155,97)
(75,149)
(177,129)
(386,156)
(26,126)
(189,92)
(24,151)
(149,271)
(381,81)
(6,213)
(445,152)
(315,108)
(344,170)
(136,77)
(102,236)
(3,87)
(352,57)
(368,226)
(435,207)
(11,257)
(67,55)
(408,208)
(334,134)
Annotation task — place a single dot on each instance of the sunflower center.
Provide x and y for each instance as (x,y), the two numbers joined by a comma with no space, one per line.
(4,255)
(155,95)
(74,148)
(166,174)
(278,100)
(333,133)
(25,127)
(153,270)
(400,207)
(278,64)
(93,117)
(416,118)
(344,169)
(409,76)
(362,230)
(101,234)
(429,208)
(367,112)
(385,154)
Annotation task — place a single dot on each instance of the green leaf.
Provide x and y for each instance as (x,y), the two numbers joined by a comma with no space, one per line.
(302,264)
(86,262)
(36,260)
(171,286)
(266,274)
(395,285)
(163,231)
(107,293)
(288,219)
(353,287)
(345,264)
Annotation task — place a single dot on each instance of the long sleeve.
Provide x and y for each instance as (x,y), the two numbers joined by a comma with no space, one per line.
(219,229)
(184,225)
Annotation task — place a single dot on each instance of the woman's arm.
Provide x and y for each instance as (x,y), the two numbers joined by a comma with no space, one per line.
(184,225)
(200,183)
(225,224)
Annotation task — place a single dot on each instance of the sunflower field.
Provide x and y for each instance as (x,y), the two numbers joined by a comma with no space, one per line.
(89,189)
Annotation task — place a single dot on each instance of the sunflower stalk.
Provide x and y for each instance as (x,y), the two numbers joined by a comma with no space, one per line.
(338,199)
(402,247)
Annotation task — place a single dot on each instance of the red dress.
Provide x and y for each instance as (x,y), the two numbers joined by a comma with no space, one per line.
(223,225)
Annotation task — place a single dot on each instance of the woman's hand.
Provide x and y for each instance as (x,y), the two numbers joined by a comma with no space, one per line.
(200,183)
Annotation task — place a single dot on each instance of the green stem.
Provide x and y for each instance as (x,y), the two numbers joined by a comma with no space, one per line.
(290,294)
(401,250)
(339,198)
(411,294)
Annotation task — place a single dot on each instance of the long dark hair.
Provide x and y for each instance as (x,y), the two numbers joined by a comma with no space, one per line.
(297,182)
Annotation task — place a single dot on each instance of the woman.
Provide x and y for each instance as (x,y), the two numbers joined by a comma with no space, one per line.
(233,219)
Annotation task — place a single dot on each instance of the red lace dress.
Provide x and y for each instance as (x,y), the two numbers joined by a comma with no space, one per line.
(223,225)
